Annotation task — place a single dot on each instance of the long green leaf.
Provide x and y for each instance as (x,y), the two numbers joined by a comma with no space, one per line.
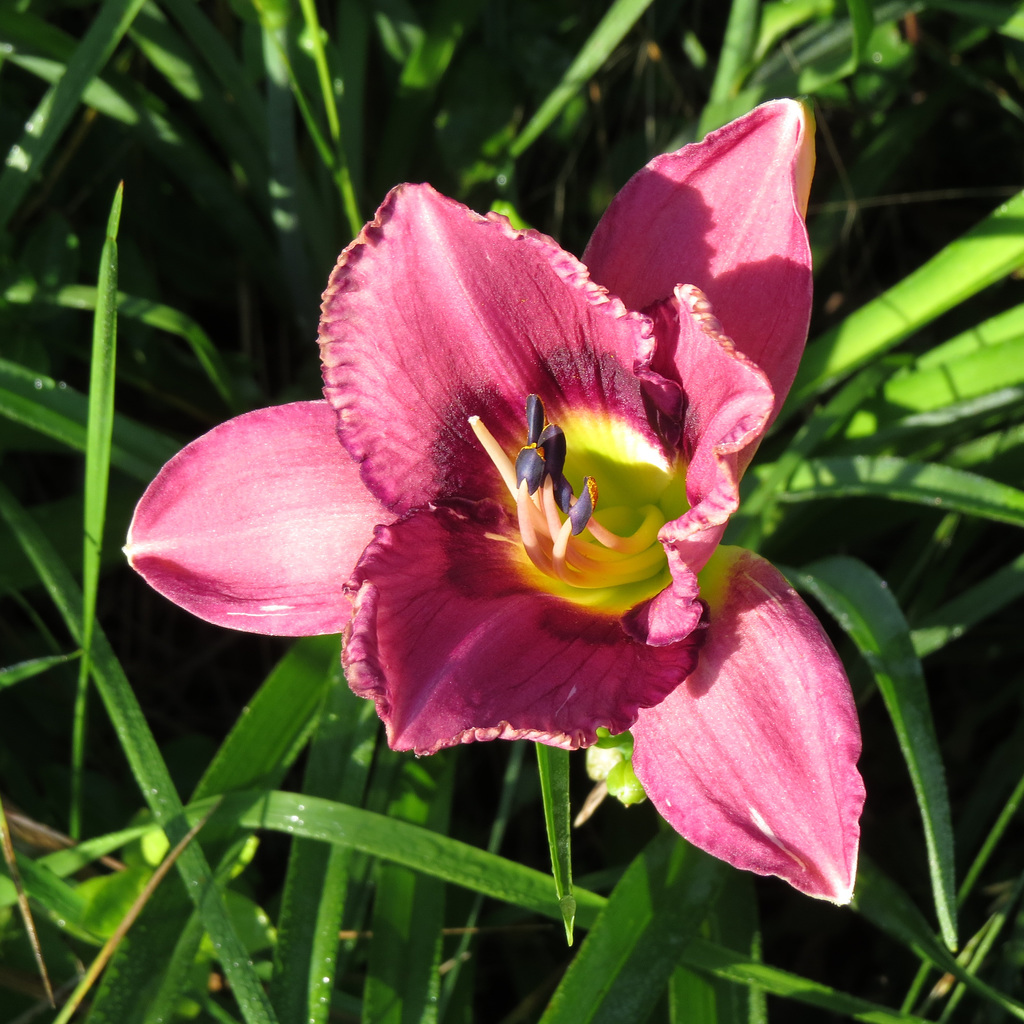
(889,908)
(625,962)
(953,619)
(408,845)
(723,963)
(611,30)
(51,116)
(864,606)
(147,765)
(922,483)
(97,476)
(553,766)
(987,253)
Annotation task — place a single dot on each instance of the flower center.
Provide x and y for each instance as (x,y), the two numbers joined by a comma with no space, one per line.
(618,559)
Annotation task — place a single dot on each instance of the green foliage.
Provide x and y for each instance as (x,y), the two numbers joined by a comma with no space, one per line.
(333,879)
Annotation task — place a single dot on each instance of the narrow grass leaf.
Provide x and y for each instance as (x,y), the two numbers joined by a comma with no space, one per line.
(553,766)
(273,726)
(147,765)
(33,667)
(411,846)
(936,486)
(61,413)
(611,30)
(863,605)
(316,884)
(955,617)
(888,907)
(99,432)
(23,905)
(733,62)
(100,961)
(987,253)
(625,962)
(720,962)
(51,116)
(403,980)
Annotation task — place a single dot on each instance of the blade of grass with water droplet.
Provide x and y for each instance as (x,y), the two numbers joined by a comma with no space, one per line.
(99,432)
(626,960)
(553,766)
(146,763)
(411,846)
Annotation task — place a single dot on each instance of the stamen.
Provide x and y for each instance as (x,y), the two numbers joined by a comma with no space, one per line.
(528,530)
(534,419)
(549,508)
(643,537)
(583,508)
(496,453)
(530,467)
(552,441)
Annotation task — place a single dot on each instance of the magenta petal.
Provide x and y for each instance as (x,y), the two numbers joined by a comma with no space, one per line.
(726,215)
(435,314)
(453,640)
(257,524)
(729,406)
(753,758)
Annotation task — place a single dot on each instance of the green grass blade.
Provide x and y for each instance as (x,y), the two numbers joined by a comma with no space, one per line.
(625,962)
(987,253)
(408,845)
(954,618)
(553,766)
(147,765)
(154,314)
(611,30)
(59,412)
(403,980)
(889,908)
(274,725)
(34,666)
(97,475)
(316,885)
(864,606)
(733,62)
(723,963)
(57,106)
(922,483)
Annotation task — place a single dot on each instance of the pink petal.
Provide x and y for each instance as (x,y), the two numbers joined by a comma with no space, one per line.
(726,215)
(753,757)
(453,640)
(257,524)
(728,405)
(435,314)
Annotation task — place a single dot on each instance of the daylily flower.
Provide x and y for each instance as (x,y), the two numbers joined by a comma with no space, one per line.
(519,530)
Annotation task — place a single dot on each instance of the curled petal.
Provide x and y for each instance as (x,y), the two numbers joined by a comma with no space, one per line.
(753,758)
(258,524)
(725,214)
(435,314)
(729,405)
(455,642)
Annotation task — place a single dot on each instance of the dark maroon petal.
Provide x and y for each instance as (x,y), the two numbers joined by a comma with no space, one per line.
(435,314)
(726,215)
(453,640)
(754,757)
(258,524)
